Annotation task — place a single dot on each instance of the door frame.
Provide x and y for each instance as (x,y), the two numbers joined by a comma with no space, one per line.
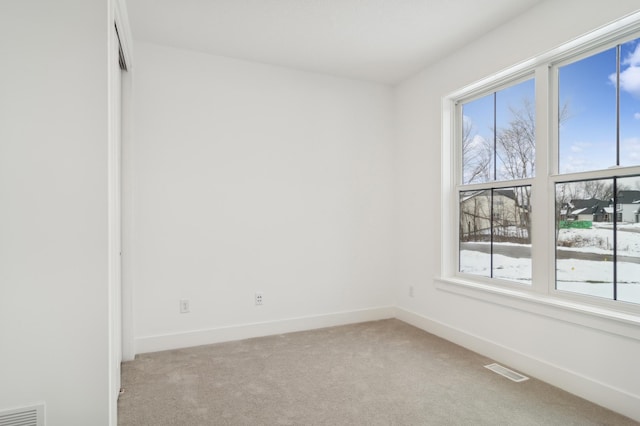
(126,44)
(118,58)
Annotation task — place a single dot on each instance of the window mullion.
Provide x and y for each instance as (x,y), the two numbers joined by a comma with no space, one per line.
(541,219)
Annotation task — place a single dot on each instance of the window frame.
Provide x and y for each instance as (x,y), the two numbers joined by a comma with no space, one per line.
(492,184)
(542,290)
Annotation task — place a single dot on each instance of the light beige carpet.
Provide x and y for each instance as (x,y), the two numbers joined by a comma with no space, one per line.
(375,373)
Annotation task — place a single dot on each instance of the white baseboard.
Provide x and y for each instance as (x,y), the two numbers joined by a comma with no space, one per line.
(570,381)
(245,331)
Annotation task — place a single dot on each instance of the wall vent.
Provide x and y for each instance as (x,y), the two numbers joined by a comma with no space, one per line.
(504,371)
(26,416)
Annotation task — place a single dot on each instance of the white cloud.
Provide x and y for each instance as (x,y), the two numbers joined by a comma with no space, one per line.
(630,77)
(583,158)
(630,151)
(477,141)
(636,115)
(580,146)
(630,80)
(572,164)
(633,58)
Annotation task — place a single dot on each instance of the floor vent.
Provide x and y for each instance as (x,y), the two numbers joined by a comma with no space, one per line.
(26,416)
(504,371)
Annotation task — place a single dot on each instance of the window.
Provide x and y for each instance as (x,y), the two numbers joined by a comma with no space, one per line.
(546,178)
(599,130)
(497,149)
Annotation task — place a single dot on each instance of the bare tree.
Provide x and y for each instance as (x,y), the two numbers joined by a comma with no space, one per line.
(515,152)
(599,189)
(516,143)
(476,155)
(513,156)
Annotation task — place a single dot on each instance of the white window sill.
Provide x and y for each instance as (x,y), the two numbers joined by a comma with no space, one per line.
(607,320)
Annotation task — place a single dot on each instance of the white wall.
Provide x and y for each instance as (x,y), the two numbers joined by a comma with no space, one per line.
(53,214)
(603,365)
(248,178)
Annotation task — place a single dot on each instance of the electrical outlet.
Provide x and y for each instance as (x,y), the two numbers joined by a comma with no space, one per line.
(259,298)
(184,306)
(410,291)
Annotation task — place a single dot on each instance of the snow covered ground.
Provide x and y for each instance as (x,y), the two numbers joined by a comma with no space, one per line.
(599,239)
(589,277)
(579,276)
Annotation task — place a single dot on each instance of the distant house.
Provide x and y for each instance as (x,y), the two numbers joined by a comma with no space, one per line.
(510,218)
(626,210)
(591,209)
(607,214)
(628,204)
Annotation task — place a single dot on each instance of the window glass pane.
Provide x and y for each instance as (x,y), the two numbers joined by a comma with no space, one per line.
(477,140)
(495,233)
(628,240)
(511,237)
(630,103)
(587,96)
(498,135)
(515,136)
(475,232)
(584,237)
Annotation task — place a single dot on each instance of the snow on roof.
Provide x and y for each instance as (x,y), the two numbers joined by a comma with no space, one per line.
(579,211)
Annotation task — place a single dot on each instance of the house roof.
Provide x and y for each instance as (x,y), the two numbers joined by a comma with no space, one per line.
(610,210)
(509,193)
(628,197)
(592,205)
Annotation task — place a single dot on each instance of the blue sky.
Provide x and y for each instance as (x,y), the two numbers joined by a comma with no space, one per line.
(587,87)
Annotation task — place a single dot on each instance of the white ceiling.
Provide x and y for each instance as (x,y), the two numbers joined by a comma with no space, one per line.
(377,40)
